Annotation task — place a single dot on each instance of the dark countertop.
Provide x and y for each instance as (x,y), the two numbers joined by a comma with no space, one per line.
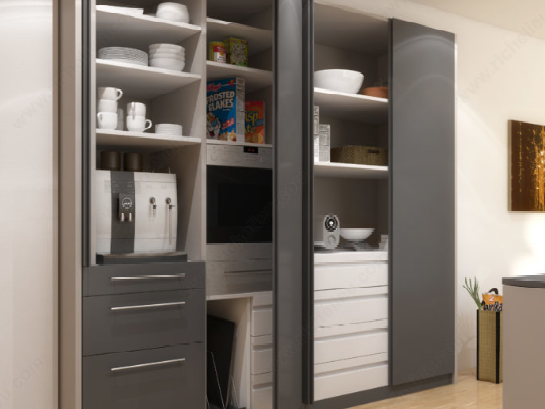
(535,281)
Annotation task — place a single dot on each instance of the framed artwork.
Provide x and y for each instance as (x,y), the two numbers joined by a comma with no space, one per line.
(527,167)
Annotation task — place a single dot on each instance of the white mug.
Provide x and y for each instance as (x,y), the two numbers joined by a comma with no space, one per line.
(136,109)
(111,93)
(107,120)
(120,119)
(138,123)
(106,105)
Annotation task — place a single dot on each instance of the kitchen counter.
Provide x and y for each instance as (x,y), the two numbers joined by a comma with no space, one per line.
(349,256)
(523,335)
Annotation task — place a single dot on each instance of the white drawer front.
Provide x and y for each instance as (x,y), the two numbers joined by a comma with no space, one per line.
(265,379)
(351,346)
(350,276)
(322,332)
(348,364)
(262,360)
(262,322)
(350,381)
(350,311)
(262,398)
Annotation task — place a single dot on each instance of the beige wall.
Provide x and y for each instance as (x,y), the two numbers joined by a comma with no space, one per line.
(499,77)
(28,273)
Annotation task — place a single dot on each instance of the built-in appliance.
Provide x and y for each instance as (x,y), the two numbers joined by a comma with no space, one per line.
(327,231)
(239,194)
(135,212)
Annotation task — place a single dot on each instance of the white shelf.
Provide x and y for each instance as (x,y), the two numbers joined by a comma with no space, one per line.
(255,78)
(259,145)
(352,107)
(258,39)
(125,30)
(142,141)
(140,81)
(349,256)
(348,170)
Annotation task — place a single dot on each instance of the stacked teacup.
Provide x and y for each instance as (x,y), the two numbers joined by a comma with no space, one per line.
(136,117)
(107,98)
(168,56)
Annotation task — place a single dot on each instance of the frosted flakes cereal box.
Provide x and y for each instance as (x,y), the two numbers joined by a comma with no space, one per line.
(237,51)
(225,108)
(255,121)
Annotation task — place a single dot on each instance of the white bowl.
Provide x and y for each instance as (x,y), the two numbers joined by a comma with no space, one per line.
(173,15)
(167,55)
(165,46)
(356,234)
(167,63)
(346,81)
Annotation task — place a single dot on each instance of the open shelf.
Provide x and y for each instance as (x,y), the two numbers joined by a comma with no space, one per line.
(258,39)
(140,81)
(142,141)
(259,145)
(140,30)
(349,170)
(353,107)
(255,78)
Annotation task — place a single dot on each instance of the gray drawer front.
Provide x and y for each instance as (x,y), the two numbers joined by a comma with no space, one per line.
(176,385)
(152,326)
(138,278)
(238,277)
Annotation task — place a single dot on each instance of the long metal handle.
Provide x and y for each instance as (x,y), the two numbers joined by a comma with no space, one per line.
(148,277)
(147,365)
(144,306)
(248,271)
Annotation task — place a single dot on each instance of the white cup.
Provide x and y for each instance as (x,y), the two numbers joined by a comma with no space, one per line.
(106,105)
(136,109)
(111,93)
(107,120)
(120,119)
(138,123)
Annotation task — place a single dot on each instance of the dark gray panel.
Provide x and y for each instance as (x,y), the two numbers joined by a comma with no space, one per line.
(422,202)
(176,385)
(290,185)
(106,330)
(238,277)
(103,280)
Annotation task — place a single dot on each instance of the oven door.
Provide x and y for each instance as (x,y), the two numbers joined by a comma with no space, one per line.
(239,205)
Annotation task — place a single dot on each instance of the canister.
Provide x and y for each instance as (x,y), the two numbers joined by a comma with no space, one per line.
(217,52)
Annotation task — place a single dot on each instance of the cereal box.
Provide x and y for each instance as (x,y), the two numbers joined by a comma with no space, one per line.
(225,108)
(255,121)
(237,51)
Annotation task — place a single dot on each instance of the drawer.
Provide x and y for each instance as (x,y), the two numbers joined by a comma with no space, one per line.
(238,277)
(350,346)
(262,359)
(262,397)
(158,379)
(322,332)
(262,321)
(352,363)
(139,278)
(344,311)
(265,379)
(340,383)
(350,276)
(129,322)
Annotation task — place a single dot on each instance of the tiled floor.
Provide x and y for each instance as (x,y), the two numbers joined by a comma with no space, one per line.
(468,393)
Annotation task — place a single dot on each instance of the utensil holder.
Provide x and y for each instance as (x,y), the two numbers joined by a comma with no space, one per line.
(489,346)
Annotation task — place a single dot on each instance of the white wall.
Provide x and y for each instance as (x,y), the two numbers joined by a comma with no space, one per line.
(500,76)
(28,287)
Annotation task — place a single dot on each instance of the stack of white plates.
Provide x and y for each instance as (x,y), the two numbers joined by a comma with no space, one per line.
(168,129)
(124,54)
(169,56)
(175,12)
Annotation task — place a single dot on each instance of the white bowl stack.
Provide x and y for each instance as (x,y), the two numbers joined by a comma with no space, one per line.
(174,12)
(168,129)
(124,54)
(168,56)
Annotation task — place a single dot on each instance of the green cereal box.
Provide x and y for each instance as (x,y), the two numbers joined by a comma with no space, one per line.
(237,51)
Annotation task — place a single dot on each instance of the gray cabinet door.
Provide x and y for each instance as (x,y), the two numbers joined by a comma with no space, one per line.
(422,199)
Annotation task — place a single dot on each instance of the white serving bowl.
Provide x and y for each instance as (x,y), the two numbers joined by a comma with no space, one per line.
(173,12)
(356,234)
(346,81)
(165,46)
(167,63)
(169,56)
(160,54)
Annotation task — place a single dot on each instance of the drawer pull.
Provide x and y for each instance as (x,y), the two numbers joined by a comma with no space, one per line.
(141,307)
(148,277)
(127,368)
(248,271)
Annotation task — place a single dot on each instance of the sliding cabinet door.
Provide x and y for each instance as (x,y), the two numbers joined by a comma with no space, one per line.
(292,252)
(423,209)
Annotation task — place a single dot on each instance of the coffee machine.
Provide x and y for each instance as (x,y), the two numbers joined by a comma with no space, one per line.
(135,212)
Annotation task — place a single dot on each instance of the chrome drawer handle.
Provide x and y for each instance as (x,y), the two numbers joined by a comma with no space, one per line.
(148,277)
(126,368)
(141,307)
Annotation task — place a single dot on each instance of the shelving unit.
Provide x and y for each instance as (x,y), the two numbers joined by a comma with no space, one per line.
(257,145)
(351,171)
(255,78)
(258,39)
(351,107)
(141,140)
